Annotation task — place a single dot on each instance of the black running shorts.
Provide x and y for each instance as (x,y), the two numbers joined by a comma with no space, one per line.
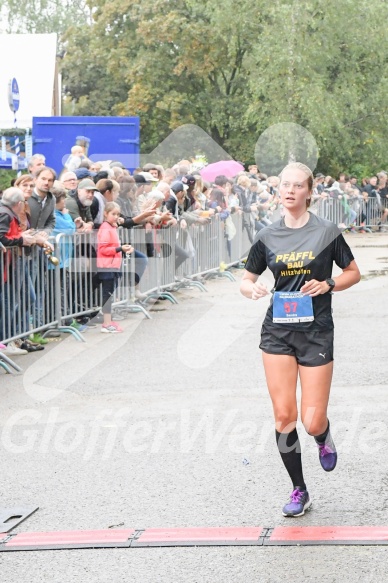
(310,348)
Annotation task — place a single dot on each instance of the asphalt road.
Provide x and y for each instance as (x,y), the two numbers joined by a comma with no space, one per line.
(169,425)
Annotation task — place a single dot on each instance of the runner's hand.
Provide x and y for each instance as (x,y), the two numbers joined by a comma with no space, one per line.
(259,291)
(314,288)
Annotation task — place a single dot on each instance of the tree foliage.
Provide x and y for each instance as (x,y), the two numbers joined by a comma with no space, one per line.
(43,16)
(234,69)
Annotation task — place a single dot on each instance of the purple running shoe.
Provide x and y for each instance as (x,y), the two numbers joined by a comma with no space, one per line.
(327,453)
(298,503)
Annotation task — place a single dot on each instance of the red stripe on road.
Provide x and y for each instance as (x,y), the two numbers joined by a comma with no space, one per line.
(237,534)
(329,533)
(80,537)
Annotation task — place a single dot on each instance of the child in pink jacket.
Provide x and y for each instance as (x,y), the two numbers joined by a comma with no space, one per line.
(109,258)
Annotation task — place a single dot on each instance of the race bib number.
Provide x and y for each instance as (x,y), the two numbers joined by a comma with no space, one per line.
(292,307)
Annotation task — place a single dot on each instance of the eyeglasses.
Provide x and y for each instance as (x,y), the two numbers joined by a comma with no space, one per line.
(70,180)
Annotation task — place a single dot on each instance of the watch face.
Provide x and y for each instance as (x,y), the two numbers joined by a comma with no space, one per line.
(330,282)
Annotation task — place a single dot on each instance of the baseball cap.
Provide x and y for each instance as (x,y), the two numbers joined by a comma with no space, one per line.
(178,186)
(189,179)
(139,179)
(148,177)
(82,173)
(87,184)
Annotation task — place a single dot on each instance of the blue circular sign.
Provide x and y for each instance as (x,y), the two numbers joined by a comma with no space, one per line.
(13,95)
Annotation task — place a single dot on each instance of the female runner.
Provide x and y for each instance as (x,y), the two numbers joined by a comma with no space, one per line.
(297,332)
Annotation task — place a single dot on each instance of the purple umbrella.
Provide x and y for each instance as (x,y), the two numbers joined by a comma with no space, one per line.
(228,168)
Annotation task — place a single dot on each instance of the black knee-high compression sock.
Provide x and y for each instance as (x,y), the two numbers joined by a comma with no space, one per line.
(289,449)
(322,438)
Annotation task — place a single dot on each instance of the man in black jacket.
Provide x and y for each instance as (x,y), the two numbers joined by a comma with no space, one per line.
(42,208)
(42,202)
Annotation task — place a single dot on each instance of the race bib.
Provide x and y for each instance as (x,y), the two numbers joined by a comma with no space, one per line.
(292,307)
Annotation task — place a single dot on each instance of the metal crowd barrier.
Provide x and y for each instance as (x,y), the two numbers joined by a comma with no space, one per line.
(27,296)
(27,293)
(36,296)
(358,213)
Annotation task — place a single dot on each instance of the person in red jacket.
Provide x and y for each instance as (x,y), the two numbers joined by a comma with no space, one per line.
(109,259)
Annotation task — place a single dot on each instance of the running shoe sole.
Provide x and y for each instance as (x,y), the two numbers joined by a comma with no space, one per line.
(306,507)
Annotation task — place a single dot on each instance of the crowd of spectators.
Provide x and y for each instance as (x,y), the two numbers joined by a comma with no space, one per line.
(359,204)
(39,205)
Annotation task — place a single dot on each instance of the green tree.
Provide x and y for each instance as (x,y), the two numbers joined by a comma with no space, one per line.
(236,69)
(43,16)
(177,62)
(326,69)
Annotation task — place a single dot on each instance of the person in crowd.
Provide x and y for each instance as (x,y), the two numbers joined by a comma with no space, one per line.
(95,167)
(382,198)
(189,180)
(86,163)
(369,192)
(199,196)
(36,162)
(106,191)
(218,203)
(17,291)
(370,187)
(79,205)
(319,183)
(175,204)
(69,180)
(343,177)
(77,154)
(146,182)
(156,201)
(297,333)
(273,181)
(127,191)
(42,202)
(82,173)
(65,226)
(182,169)
(349,200)
(150,179)
(63,222)
(153,170)
(265,206)
(160,169)
(333,188)
(42,219)
(246,204)
(169,176)
(354,182)
(103,174)
(132,216)
(26,184)
(109,260)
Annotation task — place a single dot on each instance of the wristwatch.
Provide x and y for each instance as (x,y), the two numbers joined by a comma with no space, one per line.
(331,283)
